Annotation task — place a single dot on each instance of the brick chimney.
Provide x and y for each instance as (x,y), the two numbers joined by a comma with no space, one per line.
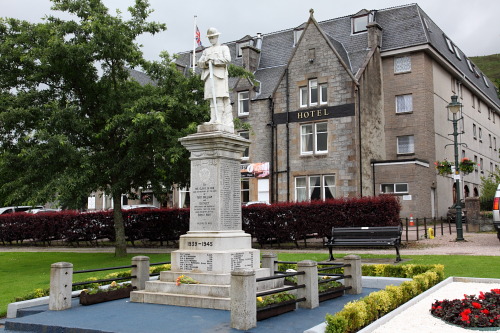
(374,35)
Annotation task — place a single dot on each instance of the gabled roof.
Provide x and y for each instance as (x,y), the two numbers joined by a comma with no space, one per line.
(402,27)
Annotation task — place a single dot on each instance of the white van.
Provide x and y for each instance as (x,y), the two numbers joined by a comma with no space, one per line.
(496,211)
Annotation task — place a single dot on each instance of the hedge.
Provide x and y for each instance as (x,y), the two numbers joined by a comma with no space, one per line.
(277,223)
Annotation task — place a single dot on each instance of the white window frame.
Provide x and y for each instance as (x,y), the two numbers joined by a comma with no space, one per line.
(182,200)
(246,154)
(410,144)
(242,101)
(313,85)
(394,188)
(356,29)
(307,188)
(304,94)
(480,134)
(450,44)
(296,36)
(323,95)
(407,101)
(402,64)
(313,135)
(474,131)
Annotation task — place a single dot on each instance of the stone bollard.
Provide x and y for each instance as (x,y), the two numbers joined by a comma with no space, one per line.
(355,271)
(141,272)
(243,299)
(269,261)
(61,280)
(310,279)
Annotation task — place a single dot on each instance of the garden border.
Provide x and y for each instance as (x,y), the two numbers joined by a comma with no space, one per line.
(376,324)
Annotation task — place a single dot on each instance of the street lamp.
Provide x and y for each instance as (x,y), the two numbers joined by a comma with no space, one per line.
(454,107)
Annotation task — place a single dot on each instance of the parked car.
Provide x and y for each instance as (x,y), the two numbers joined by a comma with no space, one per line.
(452,212)
(17,209)
(42,210)
(496,211)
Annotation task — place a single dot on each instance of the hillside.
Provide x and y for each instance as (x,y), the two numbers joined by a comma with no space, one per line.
(489,65)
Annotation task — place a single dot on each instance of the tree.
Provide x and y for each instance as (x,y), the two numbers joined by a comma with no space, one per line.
(74,121)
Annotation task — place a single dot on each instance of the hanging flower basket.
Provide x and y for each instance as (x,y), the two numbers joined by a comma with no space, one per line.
(466,165)
(443,167)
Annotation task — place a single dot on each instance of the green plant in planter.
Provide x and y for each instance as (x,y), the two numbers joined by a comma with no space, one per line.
(328,285)
(443,167)
(113,286)
(263,301)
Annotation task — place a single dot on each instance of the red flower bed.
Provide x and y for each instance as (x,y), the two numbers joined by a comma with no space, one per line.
(471,311)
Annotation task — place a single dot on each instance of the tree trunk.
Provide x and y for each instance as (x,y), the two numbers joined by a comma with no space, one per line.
(120,242)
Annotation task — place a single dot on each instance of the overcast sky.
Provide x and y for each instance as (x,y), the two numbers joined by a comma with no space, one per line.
(472,25)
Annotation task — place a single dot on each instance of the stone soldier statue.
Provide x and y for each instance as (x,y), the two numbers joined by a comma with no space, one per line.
(214,62)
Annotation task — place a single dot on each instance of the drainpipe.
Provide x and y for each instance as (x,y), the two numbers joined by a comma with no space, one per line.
(360,145)
(271,167)
(373,173)
(287,138)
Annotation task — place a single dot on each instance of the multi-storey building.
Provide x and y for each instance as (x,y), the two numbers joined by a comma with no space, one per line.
(356,106)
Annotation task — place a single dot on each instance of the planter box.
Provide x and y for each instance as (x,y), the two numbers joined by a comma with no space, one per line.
(275,309)
(331,293)
(88,299)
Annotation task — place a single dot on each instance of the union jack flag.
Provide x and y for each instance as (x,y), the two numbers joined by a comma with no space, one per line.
(198,37)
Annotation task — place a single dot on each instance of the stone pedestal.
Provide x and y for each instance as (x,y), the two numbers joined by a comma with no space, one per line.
(215,244)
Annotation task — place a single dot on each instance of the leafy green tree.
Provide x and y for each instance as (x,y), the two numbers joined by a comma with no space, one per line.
(488,188)
(73,121)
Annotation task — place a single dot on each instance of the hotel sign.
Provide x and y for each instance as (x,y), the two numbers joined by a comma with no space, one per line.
(338,111)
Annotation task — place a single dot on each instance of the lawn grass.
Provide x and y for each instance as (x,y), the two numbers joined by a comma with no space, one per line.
(23,272)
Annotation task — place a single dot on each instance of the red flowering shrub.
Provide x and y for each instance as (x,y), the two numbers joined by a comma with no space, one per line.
(471,311)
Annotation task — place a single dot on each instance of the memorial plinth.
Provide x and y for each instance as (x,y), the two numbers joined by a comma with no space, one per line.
(215,244)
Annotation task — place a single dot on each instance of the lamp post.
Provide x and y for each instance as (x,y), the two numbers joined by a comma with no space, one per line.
(454,107)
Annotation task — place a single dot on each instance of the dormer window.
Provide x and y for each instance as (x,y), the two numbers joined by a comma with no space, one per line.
(240,45)
(245,41)
(361,20)
(469,64)
(486,81)
(450,44)
(297,32)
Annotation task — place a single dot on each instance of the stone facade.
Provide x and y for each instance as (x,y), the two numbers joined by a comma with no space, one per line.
(383,121)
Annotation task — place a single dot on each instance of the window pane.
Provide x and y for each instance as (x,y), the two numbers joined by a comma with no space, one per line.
(306,138)
(303,96)
(329,184)
(360,23)
(300,189)
(404,103)
(243,102)
(315,187)
(401,188)
(245,135)
(402,64)
(245,190)
(313,91)
(321,137)
(387,188)
(323,94)
(405,145)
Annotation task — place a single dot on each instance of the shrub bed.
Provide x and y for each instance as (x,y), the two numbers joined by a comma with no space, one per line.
(356,315)
(277,223)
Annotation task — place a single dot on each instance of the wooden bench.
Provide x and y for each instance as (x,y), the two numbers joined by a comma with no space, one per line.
(365,237)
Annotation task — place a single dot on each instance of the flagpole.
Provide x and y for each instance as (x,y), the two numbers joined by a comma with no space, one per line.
(194,43)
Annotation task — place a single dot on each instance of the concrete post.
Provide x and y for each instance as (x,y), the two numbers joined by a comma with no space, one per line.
(243,299)
(310,279)
(355,271)
(141,271)
(61,280)
(268,261)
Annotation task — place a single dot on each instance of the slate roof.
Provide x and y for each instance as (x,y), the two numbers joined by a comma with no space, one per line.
(402,27)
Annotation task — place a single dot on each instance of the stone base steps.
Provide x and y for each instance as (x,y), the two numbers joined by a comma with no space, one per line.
(198,301)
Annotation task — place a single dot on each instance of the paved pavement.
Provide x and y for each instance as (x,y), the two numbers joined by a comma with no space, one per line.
(122,316)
